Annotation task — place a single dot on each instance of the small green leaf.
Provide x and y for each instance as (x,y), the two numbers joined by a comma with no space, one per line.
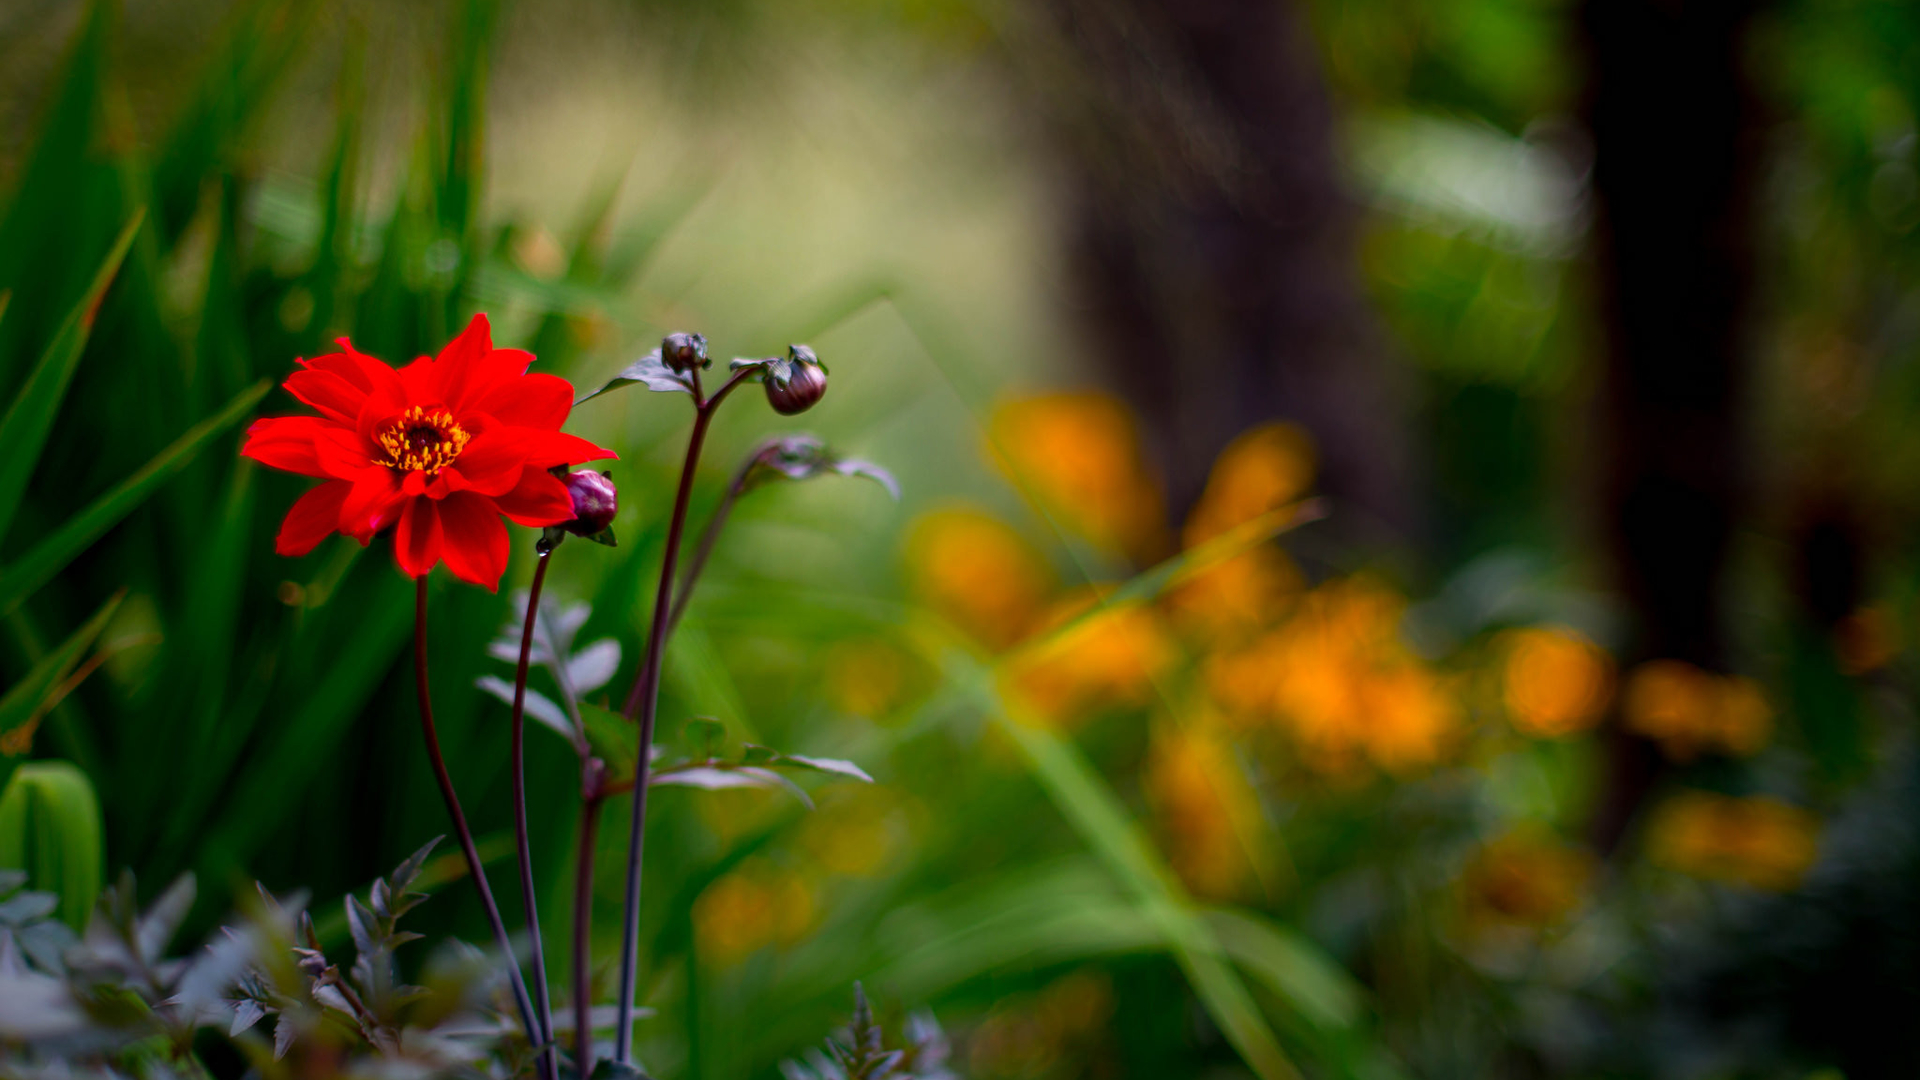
(706,737)
(614,739)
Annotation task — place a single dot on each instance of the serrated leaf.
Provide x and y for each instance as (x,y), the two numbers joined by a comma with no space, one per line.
(538,705)
(857,467)
(594,666)
(649,370)
(246,1013)
(282,1037)
(360,925)
(716,778)
(28,906)
(163,918)
(409,869)
(836,766)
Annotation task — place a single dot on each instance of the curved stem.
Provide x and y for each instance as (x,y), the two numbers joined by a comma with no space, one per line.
(582,938)
(549,1057)
(645,699)
(465,835)
(704,548)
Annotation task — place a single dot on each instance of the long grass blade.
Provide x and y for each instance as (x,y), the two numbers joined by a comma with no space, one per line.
(46,558)
(28,699)
(29,420)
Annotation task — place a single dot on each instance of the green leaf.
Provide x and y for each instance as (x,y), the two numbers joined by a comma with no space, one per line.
(29,420)
(706,737)
(28,698)
(50,826)
(50,555)
(614,739)
(1318,989)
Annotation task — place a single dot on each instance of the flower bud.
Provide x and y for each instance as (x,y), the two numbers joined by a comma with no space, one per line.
(594,502)
(683,351)
(805,384)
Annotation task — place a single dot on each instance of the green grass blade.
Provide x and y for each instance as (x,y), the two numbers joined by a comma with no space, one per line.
(29,420)
(1097,814)
(65,852)
(46,558)
(27,699)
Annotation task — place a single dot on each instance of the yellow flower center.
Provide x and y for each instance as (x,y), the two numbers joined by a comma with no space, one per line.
(423,441)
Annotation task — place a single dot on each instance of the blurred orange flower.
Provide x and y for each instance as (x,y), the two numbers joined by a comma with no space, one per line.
(1262,470)
(857,831)
(1689,711)
(1759,842)
(752,906)
(1110,657)
(1340,680)
(1557,682)
(1205,808)
(1079,455)
(977,571)
(1527,877)
(1866,640)
(1236,597)
(866,677)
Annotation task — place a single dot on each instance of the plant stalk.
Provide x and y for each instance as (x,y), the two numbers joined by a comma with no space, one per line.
(459,817)
(644,699)
(549,1057)
(582,936)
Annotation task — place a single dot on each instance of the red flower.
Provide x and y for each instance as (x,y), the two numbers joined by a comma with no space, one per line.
(441,448)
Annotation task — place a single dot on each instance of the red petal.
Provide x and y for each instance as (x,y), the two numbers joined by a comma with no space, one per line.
(314,517)
(287,443)
(476,540)
(341,452)
(421,382)
(546,449)
(454,368)
(362,371)
(534,401)
(418,541)
(538,499)
(374,503)
(329,392)
(490,464)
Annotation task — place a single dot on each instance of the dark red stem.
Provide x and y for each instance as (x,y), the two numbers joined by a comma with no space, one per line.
(549,1057)
(459,817)
(582,936)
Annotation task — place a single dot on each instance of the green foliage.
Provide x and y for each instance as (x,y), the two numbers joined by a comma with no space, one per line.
(50,828)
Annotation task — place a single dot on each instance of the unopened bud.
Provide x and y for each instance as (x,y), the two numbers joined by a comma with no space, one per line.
(805,385)
(594,502)
(683,352)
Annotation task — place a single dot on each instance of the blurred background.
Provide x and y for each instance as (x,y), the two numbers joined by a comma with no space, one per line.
(1572,737)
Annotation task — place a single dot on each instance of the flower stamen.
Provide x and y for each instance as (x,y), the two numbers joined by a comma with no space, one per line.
(422,441)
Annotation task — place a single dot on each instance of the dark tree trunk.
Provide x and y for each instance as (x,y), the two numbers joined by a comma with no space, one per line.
(1210,241)
(1676,153)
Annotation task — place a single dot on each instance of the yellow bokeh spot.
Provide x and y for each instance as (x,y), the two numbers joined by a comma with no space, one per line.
(1079,454)
(1866,640)
(979,573)
(1689,711)
(1262,470)
(1338,678)
(1205,808)
(857,831)
(1758,842)
(1557,682)
(1108,658)
(865,677)
(1526,877)
(1236,597)
(750,907)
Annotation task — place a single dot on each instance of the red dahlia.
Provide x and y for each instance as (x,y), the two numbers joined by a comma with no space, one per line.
(440,448)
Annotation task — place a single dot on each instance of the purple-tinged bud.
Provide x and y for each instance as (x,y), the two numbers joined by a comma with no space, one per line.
(683,351)
(594,502)
(804,386)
